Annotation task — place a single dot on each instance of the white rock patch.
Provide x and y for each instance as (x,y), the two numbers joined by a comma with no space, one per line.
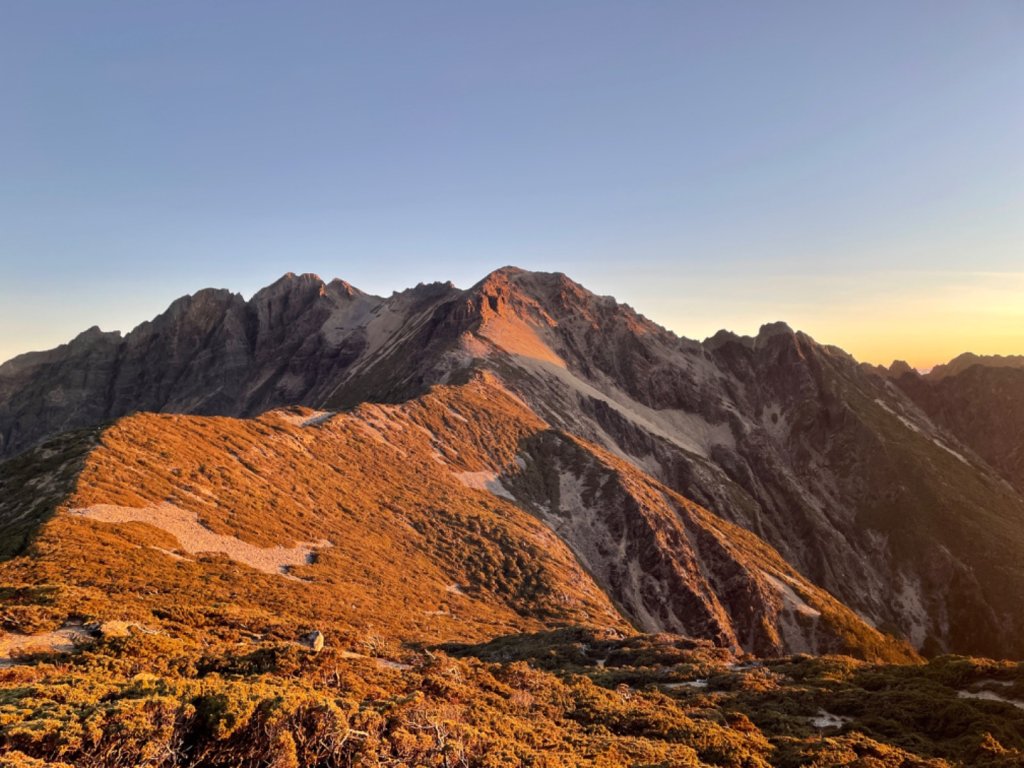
(193,537)
(790,598)
(62,640)
(989,696)
(689,431)
(949,450)
(703,683)
(317,418)
(300,420)
(911,425)
(828,720)
(910,598)
(485,481)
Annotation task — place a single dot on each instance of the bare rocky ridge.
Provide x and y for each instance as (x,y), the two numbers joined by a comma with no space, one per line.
(837,468)
(294,342)
(673,566)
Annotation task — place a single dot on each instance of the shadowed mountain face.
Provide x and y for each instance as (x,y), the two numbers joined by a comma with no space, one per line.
(792,440)
(967,360)
(830,466)
(982,404)
(212,353)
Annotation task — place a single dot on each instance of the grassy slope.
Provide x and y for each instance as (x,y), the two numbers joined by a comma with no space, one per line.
(382,485)
(403,528)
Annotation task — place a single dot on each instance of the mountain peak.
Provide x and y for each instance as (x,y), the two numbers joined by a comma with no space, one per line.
(290,284)
(341,287)
(308,277)
(723,337)
(962,362)
(95,332)
(778,328)
(552,294)
(510,276)
(509,270)
(901,368)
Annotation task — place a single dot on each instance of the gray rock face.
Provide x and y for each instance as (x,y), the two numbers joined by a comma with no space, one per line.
(209,353)
(794,440)
(832,464)
(45,393)
(670,565)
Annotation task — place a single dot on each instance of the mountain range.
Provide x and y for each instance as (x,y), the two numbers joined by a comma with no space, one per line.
(454,466)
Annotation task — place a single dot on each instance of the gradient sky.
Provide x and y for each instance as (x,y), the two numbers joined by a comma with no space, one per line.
(856,169)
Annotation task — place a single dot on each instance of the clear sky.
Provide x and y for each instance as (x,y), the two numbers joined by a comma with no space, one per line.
(854,168)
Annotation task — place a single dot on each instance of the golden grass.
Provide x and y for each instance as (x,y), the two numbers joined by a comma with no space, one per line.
(414,553)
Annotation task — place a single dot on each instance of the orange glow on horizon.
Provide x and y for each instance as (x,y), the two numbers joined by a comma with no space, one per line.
(924,319)
(982,313)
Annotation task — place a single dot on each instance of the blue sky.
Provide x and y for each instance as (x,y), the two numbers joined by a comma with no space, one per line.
(856,169)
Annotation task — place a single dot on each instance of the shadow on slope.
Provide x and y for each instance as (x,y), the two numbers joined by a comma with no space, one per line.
(35,483)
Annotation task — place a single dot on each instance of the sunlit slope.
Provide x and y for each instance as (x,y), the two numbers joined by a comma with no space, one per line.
(420,521)
(181,519)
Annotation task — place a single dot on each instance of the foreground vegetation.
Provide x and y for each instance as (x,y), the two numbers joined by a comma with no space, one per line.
(569,697)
